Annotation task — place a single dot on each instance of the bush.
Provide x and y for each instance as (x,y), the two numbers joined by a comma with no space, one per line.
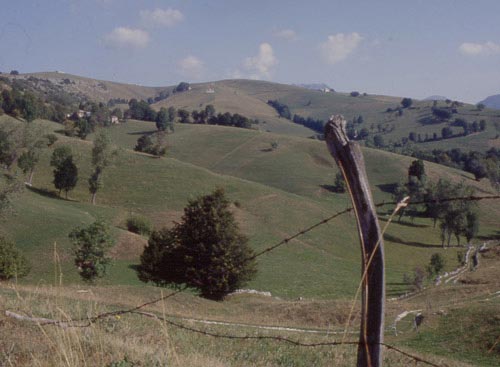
(406,102)
(13,264)
(415,280)
(339,184)
(90,247)
(436,264)
(354,94)
(51,139)
(205,251)
(139,225)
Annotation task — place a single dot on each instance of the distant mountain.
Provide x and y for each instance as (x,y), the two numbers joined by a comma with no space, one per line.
(315,86)
(435,98)
(492,101)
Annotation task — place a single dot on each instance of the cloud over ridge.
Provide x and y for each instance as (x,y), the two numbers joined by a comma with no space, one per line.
(261,64)
(191,67)
(338,46)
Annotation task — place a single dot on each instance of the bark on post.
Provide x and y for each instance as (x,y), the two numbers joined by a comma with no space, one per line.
(350,160)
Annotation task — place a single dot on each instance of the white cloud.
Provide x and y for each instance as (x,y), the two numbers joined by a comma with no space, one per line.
(286,34)
(191,67)
(260,66)
(123,37)
(161,17)
(473,49)
(338,46)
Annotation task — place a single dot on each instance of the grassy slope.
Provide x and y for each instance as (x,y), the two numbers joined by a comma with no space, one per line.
(229,98)
(280,193)
(460,327)
(272,206)
(250,98)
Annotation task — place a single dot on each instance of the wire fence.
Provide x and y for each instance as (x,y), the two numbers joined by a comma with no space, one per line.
(86,322)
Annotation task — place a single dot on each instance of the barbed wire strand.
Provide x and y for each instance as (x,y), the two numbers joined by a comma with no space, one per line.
(288,239)
(378,205)
(283,339)
(135,310)
(402,204)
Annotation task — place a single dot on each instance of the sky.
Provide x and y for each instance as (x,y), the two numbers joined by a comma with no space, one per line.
(405,48)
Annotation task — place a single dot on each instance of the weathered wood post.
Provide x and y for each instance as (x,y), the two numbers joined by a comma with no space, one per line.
(350,160)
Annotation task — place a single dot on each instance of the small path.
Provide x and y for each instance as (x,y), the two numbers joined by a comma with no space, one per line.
(234,150)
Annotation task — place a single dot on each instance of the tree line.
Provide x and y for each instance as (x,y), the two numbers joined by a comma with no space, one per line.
(457,218)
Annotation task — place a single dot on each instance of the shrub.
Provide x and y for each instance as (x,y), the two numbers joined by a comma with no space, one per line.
(139,225)
(13,264)
(354,94)
(436,264)
(339,184)
(415,280)
(51,139)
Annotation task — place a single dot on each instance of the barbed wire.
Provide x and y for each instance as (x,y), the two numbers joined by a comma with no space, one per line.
(294,342)
(279,244)
(378,205)
(136,309)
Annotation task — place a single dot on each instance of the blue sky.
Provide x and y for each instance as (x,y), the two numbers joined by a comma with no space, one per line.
(404,48)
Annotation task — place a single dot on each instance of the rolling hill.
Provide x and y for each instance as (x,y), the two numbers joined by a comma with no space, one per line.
(275,194)
(492,101)
(382,115)
(278,192)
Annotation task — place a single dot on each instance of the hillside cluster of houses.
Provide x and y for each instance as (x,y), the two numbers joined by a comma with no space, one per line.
(85,114)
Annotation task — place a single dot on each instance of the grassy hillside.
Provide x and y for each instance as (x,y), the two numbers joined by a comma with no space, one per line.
(277,193)
(460,327)
(249,98)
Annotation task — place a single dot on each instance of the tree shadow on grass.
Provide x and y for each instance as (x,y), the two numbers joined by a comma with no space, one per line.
(495,236)
(331,188)
(392,238)
(47,193)
(149,132)
(404,223)
(134,267)
(389,188)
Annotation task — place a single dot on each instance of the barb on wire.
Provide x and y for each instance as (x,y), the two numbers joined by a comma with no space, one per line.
(304,231)
(294,342)
(90,320)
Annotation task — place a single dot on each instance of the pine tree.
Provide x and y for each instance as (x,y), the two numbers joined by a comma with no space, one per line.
(206,251)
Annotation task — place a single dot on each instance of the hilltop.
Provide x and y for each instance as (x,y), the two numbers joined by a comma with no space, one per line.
(415,127)
(86,88)
(492,101)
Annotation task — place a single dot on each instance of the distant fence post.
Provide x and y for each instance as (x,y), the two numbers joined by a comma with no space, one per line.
(350,160)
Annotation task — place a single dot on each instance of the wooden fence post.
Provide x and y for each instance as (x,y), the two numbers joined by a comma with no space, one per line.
(350,160)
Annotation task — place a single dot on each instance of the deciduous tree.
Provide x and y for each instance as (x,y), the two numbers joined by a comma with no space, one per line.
(91,245)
